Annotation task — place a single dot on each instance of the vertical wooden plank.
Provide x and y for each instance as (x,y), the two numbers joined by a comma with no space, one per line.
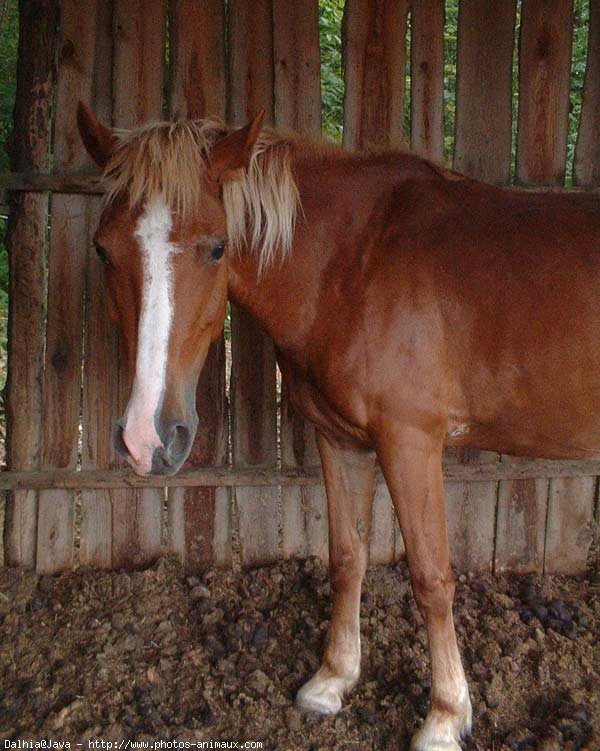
(484,89)
(200,518)
(427,79)
(571,502)
(253,382)
(27,231)
(100,381)
(544,75)
(587,150)
(66,275)
(374,54)
(297,65)
(520,525)
(382,542)
(569,525)
(197,60)
(298,106)
(471,515)
(483,141)
(139,49)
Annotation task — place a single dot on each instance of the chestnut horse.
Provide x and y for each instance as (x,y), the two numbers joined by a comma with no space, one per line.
(411,307)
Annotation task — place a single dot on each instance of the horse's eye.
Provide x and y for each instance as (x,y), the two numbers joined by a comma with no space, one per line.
(102,254)
(216,253)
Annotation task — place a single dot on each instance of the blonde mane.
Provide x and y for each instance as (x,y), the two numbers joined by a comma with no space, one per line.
(170,159)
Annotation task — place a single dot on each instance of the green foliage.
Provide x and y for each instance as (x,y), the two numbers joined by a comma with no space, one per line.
(332,81)
(9,37)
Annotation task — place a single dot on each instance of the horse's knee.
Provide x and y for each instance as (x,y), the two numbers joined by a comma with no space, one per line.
(347,566)
(434,591)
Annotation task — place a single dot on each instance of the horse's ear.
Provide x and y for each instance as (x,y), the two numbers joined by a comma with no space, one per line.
(97,138)
(232,153)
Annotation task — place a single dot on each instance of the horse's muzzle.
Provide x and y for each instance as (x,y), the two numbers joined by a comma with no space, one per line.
(166,459)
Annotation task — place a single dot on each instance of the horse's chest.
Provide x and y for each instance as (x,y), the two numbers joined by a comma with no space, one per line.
(332,411)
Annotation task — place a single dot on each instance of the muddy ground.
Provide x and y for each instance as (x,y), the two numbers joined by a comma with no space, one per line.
(153,654)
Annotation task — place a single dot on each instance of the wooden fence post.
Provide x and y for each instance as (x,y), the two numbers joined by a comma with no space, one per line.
(139,50)
(66,276)
(571,501)
(101,354)
(298,106)
(544,75)
(374,53)
(253,370)
(587,151)
(27,230)
(486,39)
(427,79)
(200,518)
(482,150)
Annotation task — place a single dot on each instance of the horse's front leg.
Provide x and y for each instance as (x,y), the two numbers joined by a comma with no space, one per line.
(349,474)
(411,462)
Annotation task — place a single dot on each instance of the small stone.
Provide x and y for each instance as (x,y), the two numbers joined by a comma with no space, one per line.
(259,682)
(261,634)
(293,718)
(199,592)
(118,622)
(215,647)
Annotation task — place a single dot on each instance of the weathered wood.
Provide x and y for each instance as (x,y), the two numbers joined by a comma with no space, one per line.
(250,34)
(587,151)
(297,105)
(544,75)
(253,371)
(482,150)
(27,229)
(569,525)
(427,79)
(26,182)
(41,183)
(66,275)
(197,61)
(382,542)
(520,525)
(138,57)
(198,517)
(100,382)
(471,514)
(374,53)
(139,50)
(307,474)
(297,65)
(486,35)
(571,502)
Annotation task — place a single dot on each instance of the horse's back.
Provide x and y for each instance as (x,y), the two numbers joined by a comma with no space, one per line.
(490,304)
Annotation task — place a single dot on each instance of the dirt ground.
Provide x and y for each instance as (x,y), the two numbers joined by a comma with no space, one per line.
(155,654)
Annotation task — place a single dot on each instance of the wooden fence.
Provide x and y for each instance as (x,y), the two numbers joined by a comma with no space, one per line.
(260,497)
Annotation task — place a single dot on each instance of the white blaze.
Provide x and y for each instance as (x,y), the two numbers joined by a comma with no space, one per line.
(152,233)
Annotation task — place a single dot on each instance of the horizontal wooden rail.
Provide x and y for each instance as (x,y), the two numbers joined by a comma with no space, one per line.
(92,184)
(255,476)
(36,183)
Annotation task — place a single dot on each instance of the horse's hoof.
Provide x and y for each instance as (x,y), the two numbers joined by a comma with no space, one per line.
(323,695)
(442,733)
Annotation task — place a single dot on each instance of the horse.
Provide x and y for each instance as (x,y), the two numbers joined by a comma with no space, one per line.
(410,306)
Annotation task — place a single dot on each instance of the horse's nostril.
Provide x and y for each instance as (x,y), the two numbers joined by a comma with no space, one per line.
(119,441)
(177,442)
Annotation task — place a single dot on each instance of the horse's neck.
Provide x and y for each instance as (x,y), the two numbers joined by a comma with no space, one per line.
(338,196)
(275,298)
